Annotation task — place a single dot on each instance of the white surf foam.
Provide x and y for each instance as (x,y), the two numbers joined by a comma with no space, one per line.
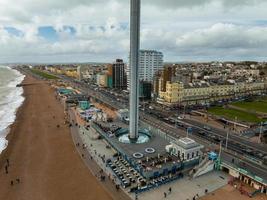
(9,106)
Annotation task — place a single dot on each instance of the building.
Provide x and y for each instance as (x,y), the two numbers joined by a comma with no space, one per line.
(155,91)
(79,72)
(117,75)
(150,62)
(167,75)
(185,148)
(145,90)
(84,105)
(204,92)
(101,80)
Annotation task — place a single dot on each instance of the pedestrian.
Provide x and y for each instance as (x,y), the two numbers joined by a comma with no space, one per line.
(11,183)
(18,180)
(165,194)
(117,187)
(6,168)
(170,190)
(136,197)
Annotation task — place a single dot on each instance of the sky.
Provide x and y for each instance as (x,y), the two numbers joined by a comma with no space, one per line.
(98,30)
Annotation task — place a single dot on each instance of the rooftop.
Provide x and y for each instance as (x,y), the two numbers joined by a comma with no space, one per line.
(187,143)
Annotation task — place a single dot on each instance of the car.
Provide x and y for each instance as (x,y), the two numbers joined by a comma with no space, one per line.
(207,128)
(113,126)
(202,132)
(180,117)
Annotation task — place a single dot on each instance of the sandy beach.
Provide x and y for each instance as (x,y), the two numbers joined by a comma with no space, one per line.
(42,156)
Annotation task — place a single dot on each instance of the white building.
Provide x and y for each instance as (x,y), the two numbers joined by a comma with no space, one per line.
(150,61)
(185,148)
(79,71)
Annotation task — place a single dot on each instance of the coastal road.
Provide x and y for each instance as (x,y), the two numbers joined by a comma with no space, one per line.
(261,148)
(110,100)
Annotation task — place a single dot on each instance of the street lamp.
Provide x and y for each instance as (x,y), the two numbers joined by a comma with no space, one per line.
(259,140)
(227,136)
(220,150)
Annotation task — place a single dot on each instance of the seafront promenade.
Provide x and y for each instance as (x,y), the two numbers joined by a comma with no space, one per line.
(91,147)
(90,151)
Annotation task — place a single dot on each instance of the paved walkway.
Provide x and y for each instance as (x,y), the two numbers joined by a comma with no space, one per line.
(95,163)
(184,189)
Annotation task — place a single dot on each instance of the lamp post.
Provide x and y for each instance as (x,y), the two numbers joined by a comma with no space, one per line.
(259,140)
(227,137)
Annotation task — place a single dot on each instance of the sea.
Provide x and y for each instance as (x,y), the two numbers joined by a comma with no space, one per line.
(10,100)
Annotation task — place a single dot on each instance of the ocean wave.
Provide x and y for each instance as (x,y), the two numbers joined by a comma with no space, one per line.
(12,101)
(3,144)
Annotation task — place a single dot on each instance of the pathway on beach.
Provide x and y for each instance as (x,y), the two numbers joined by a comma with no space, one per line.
(43,156)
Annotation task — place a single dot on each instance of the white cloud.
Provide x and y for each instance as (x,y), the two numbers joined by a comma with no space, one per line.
(182,29)
(225,36)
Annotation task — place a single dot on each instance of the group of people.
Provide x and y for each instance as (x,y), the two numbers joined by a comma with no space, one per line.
(196,197)
(12,182)
(169,192)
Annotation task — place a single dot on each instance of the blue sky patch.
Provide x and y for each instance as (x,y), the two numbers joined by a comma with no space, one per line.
(261,22)
(48,33)
(13,31)
(71,30)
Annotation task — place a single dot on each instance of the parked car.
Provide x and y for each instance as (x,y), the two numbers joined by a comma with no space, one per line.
(207,128)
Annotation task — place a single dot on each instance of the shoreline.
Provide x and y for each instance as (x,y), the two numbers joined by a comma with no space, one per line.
(9,131)
(5,132)
(42,155)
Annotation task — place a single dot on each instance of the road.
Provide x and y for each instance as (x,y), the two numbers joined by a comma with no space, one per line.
(259,170)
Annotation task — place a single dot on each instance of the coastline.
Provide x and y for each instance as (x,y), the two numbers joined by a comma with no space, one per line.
(10,106)
(9,132)
(43,155)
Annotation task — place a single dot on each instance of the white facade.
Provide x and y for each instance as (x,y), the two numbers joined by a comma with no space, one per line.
(150,61)
(79,70)
(185,148)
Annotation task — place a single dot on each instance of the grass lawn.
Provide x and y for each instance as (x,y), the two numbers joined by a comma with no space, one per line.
(258,105)
(43,74)
(231,114)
